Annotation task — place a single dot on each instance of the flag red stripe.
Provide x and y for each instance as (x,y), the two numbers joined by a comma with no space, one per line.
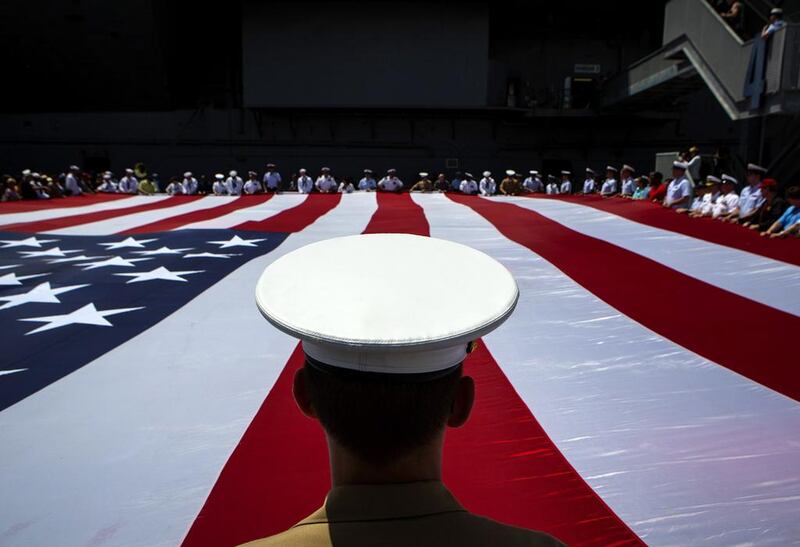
(500,464)
(398,213)
(171,223)
(297,218)
(687,311)
(26,206)
(706,229)
(97,216)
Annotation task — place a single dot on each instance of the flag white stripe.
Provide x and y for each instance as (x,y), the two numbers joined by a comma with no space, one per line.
(47,214)
(683,450)
(746,274)
(258,212)
(129,222)
(130,445)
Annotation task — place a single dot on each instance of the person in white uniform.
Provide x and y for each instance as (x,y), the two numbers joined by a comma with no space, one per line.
(628,184)
(609,187)
(305,184)
(128,184)
(679,191)
(750,198)
(487,186)
(326,184)
(108,186)
(346,186)
(728,200)
(588,183)
(552,186)
(468,185)
(367,182)
(189,184)
(693,165)
(533,183)
(234,184)
(707,200)
(175,188)
(272,179)
(566,183)
(390,183)
(219,187)
(252,185)
(71,184)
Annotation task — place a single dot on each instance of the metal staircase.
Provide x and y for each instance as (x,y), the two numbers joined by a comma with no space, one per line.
(749,78)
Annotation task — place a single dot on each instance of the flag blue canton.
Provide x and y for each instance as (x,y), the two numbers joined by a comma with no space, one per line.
(66,300)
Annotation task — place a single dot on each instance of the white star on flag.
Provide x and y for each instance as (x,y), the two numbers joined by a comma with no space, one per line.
(87,315)
(163,251)
(159,273)
(55,251)
(29,242)
(14,279)
(125,243)
(13,371)
(113,261)
(237,241)
(43,294)
(73,259)
(211,255)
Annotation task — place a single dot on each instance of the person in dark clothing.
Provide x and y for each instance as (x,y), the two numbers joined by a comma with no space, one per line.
(771,210)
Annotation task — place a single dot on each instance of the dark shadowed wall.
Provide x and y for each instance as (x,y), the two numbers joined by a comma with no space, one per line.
(365,54)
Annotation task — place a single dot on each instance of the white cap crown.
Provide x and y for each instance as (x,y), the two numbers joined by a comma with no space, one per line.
(410,328)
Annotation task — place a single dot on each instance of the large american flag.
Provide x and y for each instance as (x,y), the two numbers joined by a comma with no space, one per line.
(645,391)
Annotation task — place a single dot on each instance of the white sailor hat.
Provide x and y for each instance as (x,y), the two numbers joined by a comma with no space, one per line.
(468,174)
(756,168)
(302,171)
(412,329)
(325,169)
(252,173)
(534,172)
(627,167)
(776,11)
(611,168)
(219,176)
(35,175)
(680,165)
(566,173)
(106,176)
(109,173)
(729,179)
(712,179)
(392,170)
(423,174)
(487,173)
(510,172)
(74,168)
(232,173)
(187,174)
(26,172)
(590,171)
(368,171)
(129,171)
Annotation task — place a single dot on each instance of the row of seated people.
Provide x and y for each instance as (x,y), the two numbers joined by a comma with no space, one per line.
(759,205)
